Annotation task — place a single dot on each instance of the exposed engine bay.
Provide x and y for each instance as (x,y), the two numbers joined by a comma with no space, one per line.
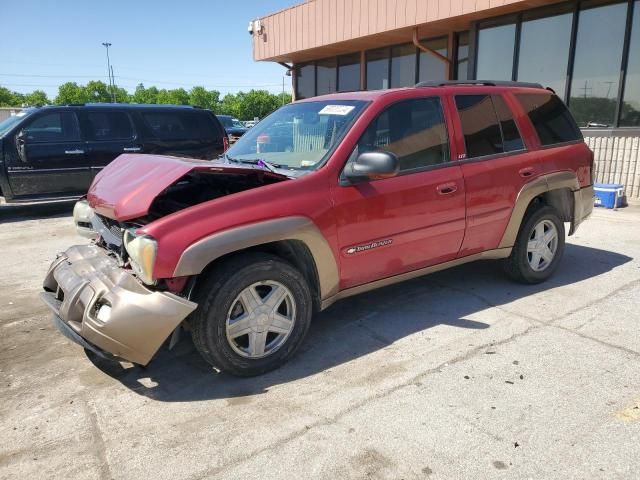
(198,187)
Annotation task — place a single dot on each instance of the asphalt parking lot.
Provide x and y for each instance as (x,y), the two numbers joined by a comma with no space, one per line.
(461,374)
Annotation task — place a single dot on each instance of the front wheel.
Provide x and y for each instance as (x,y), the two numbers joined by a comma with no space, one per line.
(538,248)
(254,312)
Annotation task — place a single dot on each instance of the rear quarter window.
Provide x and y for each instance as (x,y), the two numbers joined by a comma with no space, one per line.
(550,117)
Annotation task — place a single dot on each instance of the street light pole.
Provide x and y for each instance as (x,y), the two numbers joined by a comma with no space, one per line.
(109,72)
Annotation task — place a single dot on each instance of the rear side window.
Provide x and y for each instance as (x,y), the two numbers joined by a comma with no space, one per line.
(414,130)
(487,125)
(109,126)
(181,125)
(53,127)
(550,118)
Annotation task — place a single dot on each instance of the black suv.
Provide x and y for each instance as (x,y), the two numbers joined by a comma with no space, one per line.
(55,151)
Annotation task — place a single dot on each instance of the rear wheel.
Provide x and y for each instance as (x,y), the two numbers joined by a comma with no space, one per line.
(254,312)
(538,248)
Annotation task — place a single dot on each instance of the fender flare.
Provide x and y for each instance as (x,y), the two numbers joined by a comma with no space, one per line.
(201,253)
(531,190)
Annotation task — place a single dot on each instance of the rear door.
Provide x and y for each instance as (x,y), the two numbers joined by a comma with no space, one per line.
(53,161)
(496,165)
(404,223)
(109,133)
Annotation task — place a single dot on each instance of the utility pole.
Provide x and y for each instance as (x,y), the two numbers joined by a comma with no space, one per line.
(109,72)
(283,90)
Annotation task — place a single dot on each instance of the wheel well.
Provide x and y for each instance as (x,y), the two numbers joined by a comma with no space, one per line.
(294,252)
(560,199)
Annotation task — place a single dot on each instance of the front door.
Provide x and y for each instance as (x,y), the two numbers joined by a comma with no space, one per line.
(48,156)
(417,219)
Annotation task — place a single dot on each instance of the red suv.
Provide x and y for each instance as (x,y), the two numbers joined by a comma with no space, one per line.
(326,198)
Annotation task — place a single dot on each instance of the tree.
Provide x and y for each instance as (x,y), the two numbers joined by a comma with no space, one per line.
(97,91)
(257,103)
(36,98)
(201,97)
(70,92)
(144,95)
(10,99)
(179,96)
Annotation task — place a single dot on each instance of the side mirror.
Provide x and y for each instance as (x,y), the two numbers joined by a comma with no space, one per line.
(372,166)
(21,142)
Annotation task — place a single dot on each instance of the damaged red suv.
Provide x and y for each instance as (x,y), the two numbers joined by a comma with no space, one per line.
(326,198)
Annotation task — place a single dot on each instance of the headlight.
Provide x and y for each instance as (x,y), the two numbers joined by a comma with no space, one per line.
(142,253)
(82,214)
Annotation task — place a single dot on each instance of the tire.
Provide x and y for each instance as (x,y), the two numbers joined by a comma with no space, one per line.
(520,265)
(229,304)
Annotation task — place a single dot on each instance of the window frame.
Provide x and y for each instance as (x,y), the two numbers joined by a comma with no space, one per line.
(449,162)
(515,119)
(37,117)
(90,133)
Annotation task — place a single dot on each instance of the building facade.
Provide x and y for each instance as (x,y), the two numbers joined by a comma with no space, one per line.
(587,51)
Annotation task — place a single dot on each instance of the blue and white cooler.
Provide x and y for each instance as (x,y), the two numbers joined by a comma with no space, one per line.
(608,195)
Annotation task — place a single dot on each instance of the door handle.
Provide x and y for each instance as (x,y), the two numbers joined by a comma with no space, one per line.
(447,188)
(526,172)
(131,149)
(74,152)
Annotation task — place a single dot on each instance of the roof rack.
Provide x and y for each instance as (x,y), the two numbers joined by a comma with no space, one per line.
(487,83)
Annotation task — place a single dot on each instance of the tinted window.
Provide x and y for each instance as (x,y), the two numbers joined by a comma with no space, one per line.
(403,66)
(349,72)
(462,65)
(510,134)
(109,125)
(378,69)
(54,127)
(544,51)
(550,118)
(431,67)
(305,81)
(414,130)
(326,76)
(480,125)
(495,52)
(181,125)
(631,102)
(596,69)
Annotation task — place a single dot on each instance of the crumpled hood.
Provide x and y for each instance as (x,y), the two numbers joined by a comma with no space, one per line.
(126,187)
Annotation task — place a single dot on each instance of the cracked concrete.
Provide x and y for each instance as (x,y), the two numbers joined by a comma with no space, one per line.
(461,374)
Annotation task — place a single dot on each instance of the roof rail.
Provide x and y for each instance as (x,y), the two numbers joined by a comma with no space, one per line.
(487,83)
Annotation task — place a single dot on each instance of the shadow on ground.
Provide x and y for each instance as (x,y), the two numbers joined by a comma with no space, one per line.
(18,212)
(358,326)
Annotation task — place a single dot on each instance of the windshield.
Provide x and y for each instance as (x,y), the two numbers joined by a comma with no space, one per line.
(228,122)
(236,123)
(8,123)
(298,135)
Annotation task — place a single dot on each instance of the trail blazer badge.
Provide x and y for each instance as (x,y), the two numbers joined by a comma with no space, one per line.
(368,246)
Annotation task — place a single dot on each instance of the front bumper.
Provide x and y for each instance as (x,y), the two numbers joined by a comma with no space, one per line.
(105,308)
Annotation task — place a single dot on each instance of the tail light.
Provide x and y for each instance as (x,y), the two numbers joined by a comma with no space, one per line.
(225,143)
(592,168)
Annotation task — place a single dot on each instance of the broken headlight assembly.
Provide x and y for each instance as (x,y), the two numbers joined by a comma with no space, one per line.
(142,252)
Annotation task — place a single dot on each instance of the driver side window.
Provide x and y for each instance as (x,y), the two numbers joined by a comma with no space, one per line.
(53,127)
(414,130)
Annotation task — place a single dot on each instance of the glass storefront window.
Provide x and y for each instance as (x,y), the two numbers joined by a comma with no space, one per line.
(432,68)
(462,67)
(349,72)
(326,76)
(305,81)
(630,114)
(403,66)
(596,69)
(378,69)
(544,51)
(495,52)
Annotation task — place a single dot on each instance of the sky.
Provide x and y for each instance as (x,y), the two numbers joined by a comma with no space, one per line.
(169,44)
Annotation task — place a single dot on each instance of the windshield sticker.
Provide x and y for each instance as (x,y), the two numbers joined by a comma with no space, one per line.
(336,110)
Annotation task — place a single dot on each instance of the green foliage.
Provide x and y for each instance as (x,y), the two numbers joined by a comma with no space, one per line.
(242,105)
(593,110)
